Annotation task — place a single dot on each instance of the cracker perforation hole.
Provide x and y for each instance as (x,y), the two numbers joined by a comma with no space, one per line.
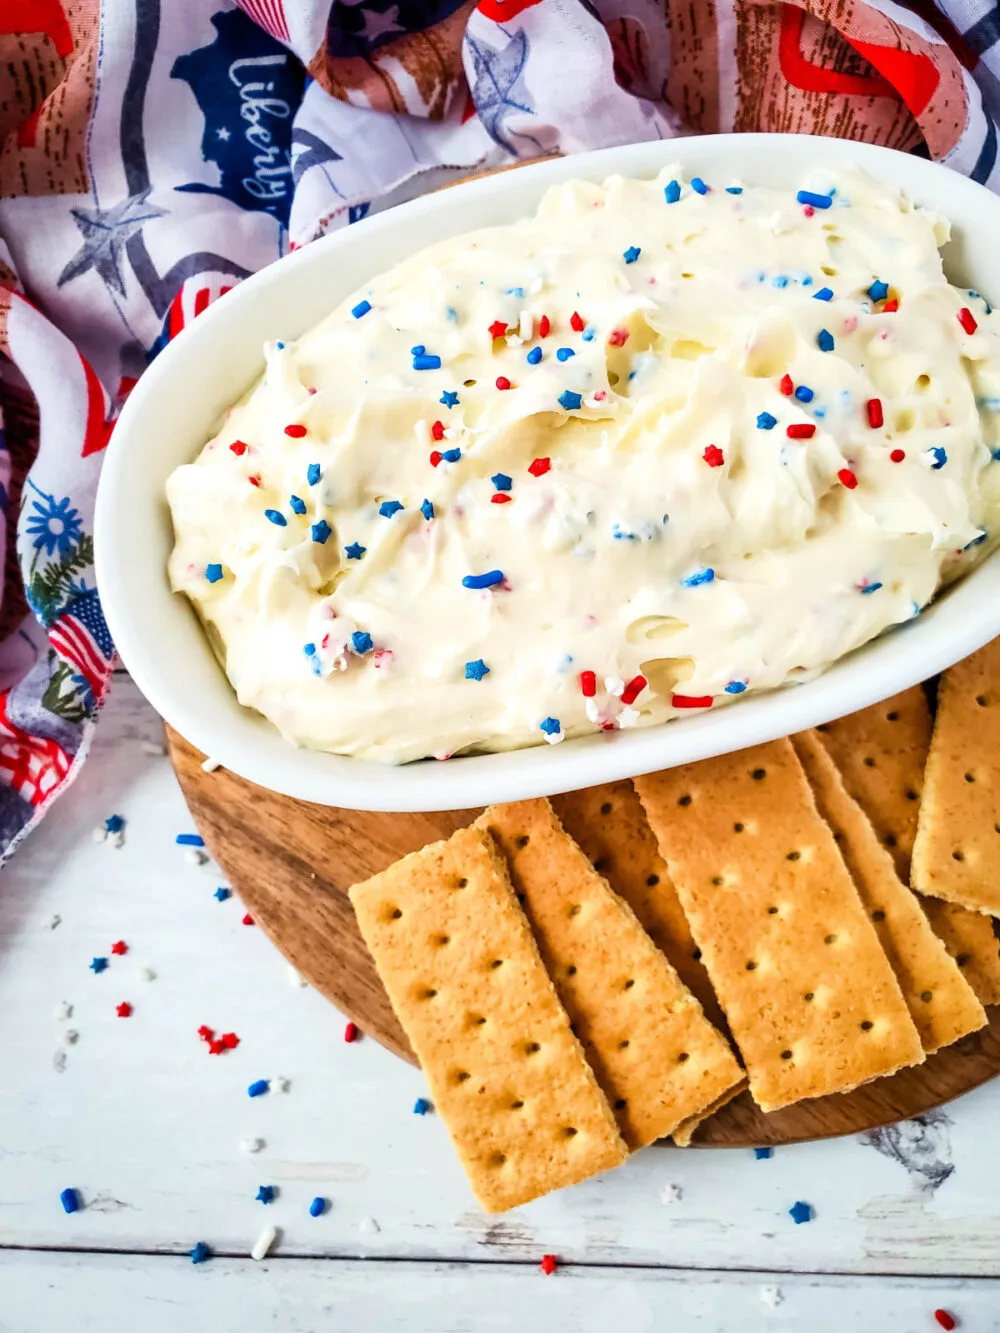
(829,939)
(575,910)
(462,883)
(395,914)
(629,984)
(890,840)
(963,959)
(461,1076)
(682,1056)
(531,1048)
(786,1055)
(927,996)
(497,962)
(867,1025)
(571,970)
(751,966)
(794,856)
(958,856)
(696,955)
(442,940)
(981,700)
(772,911)
(970,777)
(684,800)
(878,915)
(428,993)
(759,774)
(606,808)
(523,840)
(602,863)
(497,1159)
(716,880)
(623,1045)
(869,762)
(517,1106)
(809,995)
(892,717)
(620,1104)
(652,881)
(569,1132)
(913,796)
(738,828)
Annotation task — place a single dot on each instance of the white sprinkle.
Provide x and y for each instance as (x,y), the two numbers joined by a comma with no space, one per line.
(614,685)
(422,431)
(515,340)
(452,433)
(100,834)
(554,737)
(59,1061)
(210,765)
(628,717)
(593,401)
(526,326)
(771,1296)
(264,1242)
(63,1010)
(70,1037)
(295,977)
(536,285)
(147,974)
(154,747)
(369,1227)
(780,222)
(279,1083)
(52,922)
(671,1194)
(195,856)
(116,840)
(251,1145)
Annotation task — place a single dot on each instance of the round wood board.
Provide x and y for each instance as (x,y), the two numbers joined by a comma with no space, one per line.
(292,863)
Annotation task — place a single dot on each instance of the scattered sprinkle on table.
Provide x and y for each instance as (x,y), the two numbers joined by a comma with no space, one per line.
(114,824)
(123,1010)
(189,840)
(800,1212)
(230,1041)
(200,1253)
(265,1194)
(247,919)
(258,1088)
(548,1264)
(771,1296)
(119,948)
(98,965)
(421,1106)
(671,1194)
(318,1206)
(251,1146)
(63,1010)
(222,893)
(351,1032)
(945,1319)
(262,1245)
(70,1200)
(763,1153)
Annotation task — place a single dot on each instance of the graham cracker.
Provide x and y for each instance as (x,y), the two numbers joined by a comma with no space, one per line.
(941,1002)
(505,1071)
(881,753)
(684,1133)
(655,1054)
(610,825)
(809,995)
(956,854)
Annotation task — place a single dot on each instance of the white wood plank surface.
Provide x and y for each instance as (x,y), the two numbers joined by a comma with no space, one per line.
(148,1126)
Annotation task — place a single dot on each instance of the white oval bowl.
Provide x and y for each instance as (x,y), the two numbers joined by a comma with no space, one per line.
(173,409)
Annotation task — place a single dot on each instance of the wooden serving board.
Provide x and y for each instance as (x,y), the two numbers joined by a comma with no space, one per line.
(292,863)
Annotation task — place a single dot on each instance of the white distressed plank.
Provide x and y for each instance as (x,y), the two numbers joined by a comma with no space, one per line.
(148,1125)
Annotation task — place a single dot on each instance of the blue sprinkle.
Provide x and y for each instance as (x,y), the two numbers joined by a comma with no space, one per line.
(355,551)
(280,346)
(309,649)
(824,294)
(451,455)
(421,1106)
(534,356)
(765,421)
(276,517)
(114,824)
(451,314)
(189,840)
(699,577)
(564,353)
(313,473)
(427,509)
(698,185)
(550,725)
(361,309)
(621,534)
(476,670)
(265,1193)
(320,531)
(449,398)
(807,281)
(800,1212)
(995,455)
(869,588)
(419,350)
(734,189)
(488,580)
(361,642)
(632,254)
(736,687)
(97,965)
(588,334)
(976,541)
(516,291)
(940,458)
(672,192)
(824,340)
(570,401)
(389,507)
(762,1153)
(258,1088)
(817,200)
(423,362)
(70,1201)
(297,505)
(779,281)
(804,394)
(200,1253)
(819,413)
(222,893)
(501,481)
(213,573)
(318,1207)
(879,290)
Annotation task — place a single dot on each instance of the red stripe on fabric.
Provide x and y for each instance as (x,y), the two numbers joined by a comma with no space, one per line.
(27,131)
(72,642)
(44,16)
(98,429)
(499,10)
(176,315)
(913,74)
(810,78)
(201,300)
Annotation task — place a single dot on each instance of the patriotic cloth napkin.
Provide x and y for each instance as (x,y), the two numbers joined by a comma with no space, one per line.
(153,153)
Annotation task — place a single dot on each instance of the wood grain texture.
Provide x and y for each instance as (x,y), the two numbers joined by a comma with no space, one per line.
(292,864)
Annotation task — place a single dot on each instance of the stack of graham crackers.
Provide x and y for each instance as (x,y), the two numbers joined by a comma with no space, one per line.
(571,974)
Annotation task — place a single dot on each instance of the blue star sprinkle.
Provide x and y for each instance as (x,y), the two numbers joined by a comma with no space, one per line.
(879,290)
(276,517)
(361,309)
(361,642)
(570,401)
(699,577)
(534,356)
(313,473)
(320,531)
(551,726)
(632,254)
(804,394)
(258,1088)
(265,1194)
(501,481)
(779,281)
(939,456)
(422,361)
(824,294)
(355,551)
(766,422)
(698,185)
(476,670)
(309,649)
(297,505)
(318,1207)
(762,1153)
(200,1253)
(800,1212)
(564,353)
(222,893)
(824,340)
(98,965)
(389,507)
(189,840)
(814,200)
(114,824)
(487,580)
(449,399)
(213,573)
(451,455)
(421,1106)
(427,509)
(736,687)
(70,1201)
(588,334)
(672,191)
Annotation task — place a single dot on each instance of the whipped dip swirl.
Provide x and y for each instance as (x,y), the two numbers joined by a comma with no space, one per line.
(664,443)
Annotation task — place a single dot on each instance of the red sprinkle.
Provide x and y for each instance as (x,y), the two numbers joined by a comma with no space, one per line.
(539,467)
(435,458)
(633,689)
(254,481)
(847,478)
(351,1032)
(206,1033)
(230,1040)
(714,456)
(500,498)
(618,337)
(891,307)
(215,1048)
(437,430)
(967,320)
(503,382)
(238,447)
(786,385)
(874,408)
(946,1320)
(248,920)
(897,456)
(544,327)
(296,432)
(498,329)
(809,211)
(548,1264)
(119,947)
(123,1010)
(588,684)
(691,700)
(576,322)
(801,430)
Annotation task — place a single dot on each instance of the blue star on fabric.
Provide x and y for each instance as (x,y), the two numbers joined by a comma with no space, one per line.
(498,84)
(449,398)
(355,551)
(105,232)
